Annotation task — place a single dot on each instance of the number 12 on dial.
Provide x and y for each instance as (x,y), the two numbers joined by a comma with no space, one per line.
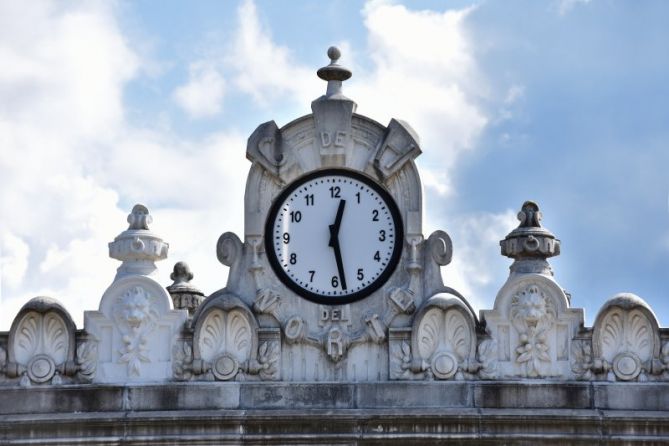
(334,236)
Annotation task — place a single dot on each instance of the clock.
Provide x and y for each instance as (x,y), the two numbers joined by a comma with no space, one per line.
(334,236)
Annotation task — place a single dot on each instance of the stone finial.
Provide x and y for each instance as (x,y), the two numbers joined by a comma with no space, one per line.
(530,244)
(184,295)
(137,247)
(334,74)
(139,217)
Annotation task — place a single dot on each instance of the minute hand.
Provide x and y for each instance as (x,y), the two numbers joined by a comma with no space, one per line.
(334,242)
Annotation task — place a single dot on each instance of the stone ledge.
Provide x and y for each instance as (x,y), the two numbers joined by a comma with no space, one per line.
(334,396)
(344,426)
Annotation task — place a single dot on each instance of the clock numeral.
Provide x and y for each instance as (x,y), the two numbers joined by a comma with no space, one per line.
(309,199)
(295,216)
(361,274)
(335,192)
(286,238)
(293,259)
(377,256)
(335,282)
(382,235)
(375,215)
(357,195)
(311,276)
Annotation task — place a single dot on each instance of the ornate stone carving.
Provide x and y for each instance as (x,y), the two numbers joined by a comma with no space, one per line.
(444,338)
(582,361)
(530,244)
(137,247)
(533,328)
(135,315)
(135,330)
(625,339)
(228,249)
(225,339)
(87,360)
(486,355)
(532,314)
(264,147)
(268,358)
(182,360)
(398,147)
(41,343)
(184,295)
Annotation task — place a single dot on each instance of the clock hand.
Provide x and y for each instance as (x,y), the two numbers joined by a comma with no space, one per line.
(334,242)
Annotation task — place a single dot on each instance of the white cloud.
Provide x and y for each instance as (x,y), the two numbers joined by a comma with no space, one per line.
(202,95)
(14,254)
(426,75)
(263,69)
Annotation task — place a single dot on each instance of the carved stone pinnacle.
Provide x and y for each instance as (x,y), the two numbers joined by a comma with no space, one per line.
(137,247)
(334,74)
(184,295)
(139,217)
(530,244)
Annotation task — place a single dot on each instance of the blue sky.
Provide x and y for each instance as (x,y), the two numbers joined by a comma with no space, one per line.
(103,105)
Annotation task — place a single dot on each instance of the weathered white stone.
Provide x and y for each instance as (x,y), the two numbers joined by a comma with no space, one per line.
(135,329)
(41,343)
(533,327)
(626,339)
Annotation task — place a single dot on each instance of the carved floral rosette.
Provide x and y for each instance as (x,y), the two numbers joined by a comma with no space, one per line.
(626,342)
(41,343)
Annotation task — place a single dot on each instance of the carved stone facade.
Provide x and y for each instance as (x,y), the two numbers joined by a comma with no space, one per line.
(411,334)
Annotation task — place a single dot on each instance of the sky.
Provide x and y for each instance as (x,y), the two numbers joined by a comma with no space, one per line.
(108,104)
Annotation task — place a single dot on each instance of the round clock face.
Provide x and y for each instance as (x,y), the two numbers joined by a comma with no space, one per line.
(334,236)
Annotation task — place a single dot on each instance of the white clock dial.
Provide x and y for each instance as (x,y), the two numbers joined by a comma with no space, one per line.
(334,236)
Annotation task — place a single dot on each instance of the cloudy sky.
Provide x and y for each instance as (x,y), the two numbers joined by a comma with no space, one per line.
(107,104)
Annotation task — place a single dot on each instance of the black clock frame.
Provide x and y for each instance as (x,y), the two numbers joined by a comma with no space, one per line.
(372,287)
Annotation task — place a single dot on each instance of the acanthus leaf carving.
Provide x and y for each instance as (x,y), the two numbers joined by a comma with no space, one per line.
(182,360)
(87,360)
(400,361)
(486,355)
(268,359)
(582,359)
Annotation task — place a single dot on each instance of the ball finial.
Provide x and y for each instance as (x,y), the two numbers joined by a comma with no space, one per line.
(334,54)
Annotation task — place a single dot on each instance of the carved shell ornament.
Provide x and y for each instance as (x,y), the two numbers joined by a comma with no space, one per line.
(225,341)
(444,339)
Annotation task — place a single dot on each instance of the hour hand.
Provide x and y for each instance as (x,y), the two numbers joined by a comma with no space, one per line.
(334,243)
